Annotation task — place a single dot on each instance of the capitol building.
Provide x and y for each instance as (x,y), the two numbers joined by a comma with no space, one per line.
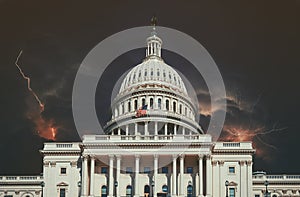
(154,147)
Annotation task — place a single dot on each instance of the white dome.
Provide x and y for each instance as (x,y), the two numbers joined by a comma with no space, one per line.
(153,71)
(153,93)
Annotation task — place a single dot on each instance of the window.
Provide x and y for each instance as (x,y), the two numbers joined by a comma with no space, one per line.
(231,169)
(257,195)
(146,189)
(129,170)
(165,188)
(145,73)
(180,109)
(167,105)
(103,170)
(159,103)
(158,73)
(62,192)
(63,170)
(189,191)
(174,106)
(143,102)
(189,170)
(104,191)
(135,104)
(231,192)
(151,103)
(129,106)
(128,191)
(147,170)
(164,170)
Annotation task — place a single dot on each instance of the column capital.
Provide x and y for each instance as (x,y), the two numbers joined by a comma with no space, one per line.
(214,163)
(155,156)
(182,156)
(221,163)
(208,157)
(242,163)
(137,156)
(85,157)
(174,156)
(111,157)
(249,163)
(92,157)
(118,157)
(200,156)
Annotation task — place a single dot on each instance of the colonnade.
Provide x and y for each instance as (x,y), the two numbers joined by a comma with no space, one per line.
(177,188)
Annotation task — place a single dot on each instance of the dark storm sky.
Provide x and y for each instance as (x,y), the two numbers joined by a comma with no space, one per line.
(254,43)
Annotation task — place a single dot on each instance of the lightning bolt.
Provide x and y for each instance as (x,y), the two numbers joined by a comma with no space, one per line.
(42,106)
(45,128)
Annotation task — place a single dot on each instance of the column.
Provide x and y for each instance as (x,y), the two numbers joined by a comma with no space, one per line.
(155,169)
(166,128)
(155,130)
(119,131)
(200,175)
(175,129)
(111,177)
(243,178)
(85,181)
(249,174)
(135,128)
(183,130)
(146,128)
(174,189)
(137,172)
(92,176)
(118,175)
(216,183)
(181,175)
(221,179)
(208,176)
(127,129)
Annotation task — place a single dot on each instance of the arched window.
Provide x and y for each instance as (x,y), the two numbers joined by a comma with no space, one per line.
(189,190)
(145,73)
(167,105)
(185,111)
(129,106)
(159,103)
(147,189)
(174,106)
(123,110)
(180,109)
(157,72)
(104,191)
(165,188)
(151,103)
(128,191)
(143,102)
(135,105)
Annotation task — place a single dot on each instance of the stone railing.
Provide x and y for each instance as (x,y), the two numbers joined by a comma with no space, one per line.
(276,177)
(21,178)
(115,138)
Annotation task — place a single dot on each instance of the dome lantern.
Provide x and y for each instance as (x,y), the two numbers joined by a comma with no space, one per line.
(153,42)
